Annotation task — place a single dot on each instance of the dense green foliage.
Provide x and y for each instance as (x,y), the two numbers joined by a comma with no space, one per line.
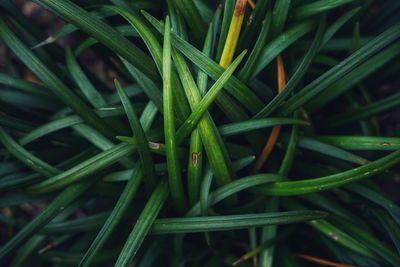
(150,162)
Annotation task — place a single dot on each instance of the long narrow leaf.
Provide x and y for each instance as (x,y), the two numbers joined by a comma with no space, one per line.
(323,183)
(51,80)
(143,226)
(141,140)
(174,169)
(231,222)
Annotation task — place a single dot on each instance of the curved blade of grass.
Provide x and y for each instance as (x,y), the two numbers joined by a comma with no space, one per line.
(87,88)
(355,42)
(215,149)
(195,162)
(72,258)
(231,222)
(148,86)
(143,225)
(241,127)
(26,157)
(301,70)
(181,105)
(51,80)
(388,9)
(362,142)
(177,19)
(306,186)
(140,137)
(368,240)
(354,77)
(157,148)
(21,180)
(94,222)
(379,199)
(93,136)
(338,44)
(85,168)
(30,39)
(131,90)
(44,217)
(365,112)
(8,167)
(148,115)
(174,169)
(346,66)
(16,123)
(161,169)
(287,161)
(317,7)
(24,101)
(239,90)
(323,148)
(100,30)
(205,192)
(252,28)
(367,127)
(342,20)
(193,19)
(234,187)
(200,106)
(331,205)
(125,30)
(335,234)
(188,223)
(79,225)
(11,182)
(391,226)
(113,219)
(248,69)
(268,233)
(25,86)
(62,123)
(195,165)
(205,11)
(297,76)
(280,43)
(125,175)
(203,198)
(213,144)
(27,250)
(153,251)
(279,16)
(264,246)
(98,140)
(68,29)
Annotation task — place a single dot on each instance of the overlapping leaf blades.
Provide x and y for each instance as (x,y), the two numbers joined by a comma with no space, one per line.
(59,146)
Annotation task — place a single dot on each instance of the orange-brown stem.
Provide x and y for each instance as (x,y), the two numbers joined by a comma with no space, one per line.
(273,137)
(269,146)
(322,262)
(251,3)
(281,73)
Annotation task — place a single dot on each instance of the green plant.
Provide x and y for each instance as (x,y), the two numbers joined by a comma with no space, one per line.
(173,166)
